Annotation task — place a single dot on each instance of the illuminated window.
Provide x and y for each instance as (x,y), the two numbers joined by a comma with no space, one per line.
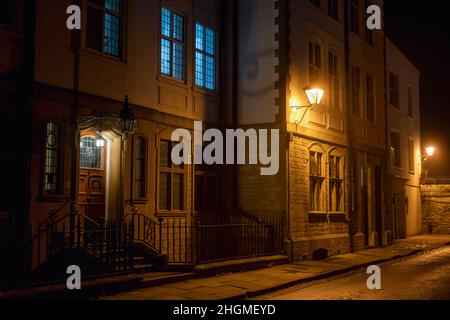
(336,184)
(172,44)
(171,180)
(205,60)
(315,61)
(51,158)
(91,153)
(104,24)
(356,90)
(140,167)
(316,180)
(333,73)
(370,98)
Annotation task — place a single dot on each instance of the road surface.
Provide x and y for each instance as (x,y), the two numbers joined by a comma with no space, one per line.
(423,277)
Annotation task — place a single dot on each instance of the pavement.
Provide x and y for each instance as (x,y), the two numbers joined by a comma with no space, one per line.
(423,277)
(255,283)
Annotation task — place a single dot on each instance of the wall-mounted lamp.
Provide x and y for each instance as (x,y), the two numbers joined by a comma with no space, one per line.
(430,151)
(315,96)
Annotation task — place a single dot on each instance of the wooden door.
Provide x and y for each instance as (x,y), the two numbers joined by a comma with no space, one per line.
(91,196)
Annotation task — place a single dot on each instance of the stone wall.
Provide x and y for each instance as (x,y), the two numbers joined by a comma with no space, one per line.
(436,209)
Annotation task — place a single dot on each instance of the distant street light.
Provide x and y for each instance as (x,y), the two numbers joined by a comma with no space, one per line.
(429,152)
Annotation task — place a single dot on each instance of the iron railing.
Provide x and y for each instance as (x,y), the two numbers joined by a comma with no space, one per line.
(180,241)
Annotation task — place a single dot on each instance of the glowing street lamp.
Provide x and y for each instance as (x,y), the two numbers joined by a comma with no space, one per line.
(430,151)
(314,95)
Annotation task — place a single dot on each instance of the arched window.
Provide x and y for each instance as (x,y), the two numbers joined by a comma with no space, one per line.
(140,167)
(336,182)
(316,178)
(51,176)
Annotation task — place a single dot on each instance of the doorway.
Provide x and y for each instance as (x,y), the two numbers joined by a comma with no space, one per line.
(92,177)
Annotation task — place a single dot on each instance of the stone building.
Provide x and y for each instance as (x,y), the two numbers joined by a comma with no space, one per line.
(403,197)
(229,64)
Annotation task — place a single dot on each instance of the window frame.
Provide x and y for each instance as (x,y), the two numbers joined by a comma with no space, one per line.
(315,71)
(394,91)
(356,90)
(334,95)
(316,182)
(58,193)
(410,102)
(370,96)
(215,56)
(122,30)
(333,9)
(334,181)
(411,155)
(171,171)
(354,16)
(174,11)
(396,157)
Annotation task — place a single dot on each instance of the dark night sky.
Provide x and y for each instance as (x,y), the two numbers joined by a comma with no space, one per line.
(422,32)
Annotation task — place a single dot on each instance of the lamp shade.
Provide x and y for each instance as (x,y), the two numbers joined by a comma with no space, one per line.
(127,120)
(315,95)
(430,151)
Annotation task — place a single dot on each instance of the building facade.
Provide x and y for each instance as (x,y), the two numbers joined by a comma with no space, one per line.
(227,64)
(405,161)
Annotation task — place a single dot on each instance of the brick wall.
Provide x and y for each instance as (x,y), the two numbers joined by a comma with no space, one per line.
(436,209)
(311,232)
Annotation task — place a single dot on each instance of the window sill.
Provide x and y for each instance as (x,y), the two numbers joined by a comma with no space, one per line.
(317,217)
(171,214)
(206,92)
(91,53)
(171,81)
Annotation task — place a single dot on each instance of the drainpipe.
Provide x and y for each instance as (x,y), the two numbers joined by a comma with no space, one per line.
(349,119)
(76,43)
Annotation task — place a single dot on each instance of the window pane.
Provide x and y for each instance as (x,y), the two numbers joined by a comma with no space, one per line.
(199,67)
(90,155)
(113,5)
(51,158)
(199,36)
(165,57)
(166,22)
(210,73)
(140,156)
(178,192)
(164,191)
(112,34)
(178,27)
(94,29)
(210,41)
(178,61)
(164,151)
